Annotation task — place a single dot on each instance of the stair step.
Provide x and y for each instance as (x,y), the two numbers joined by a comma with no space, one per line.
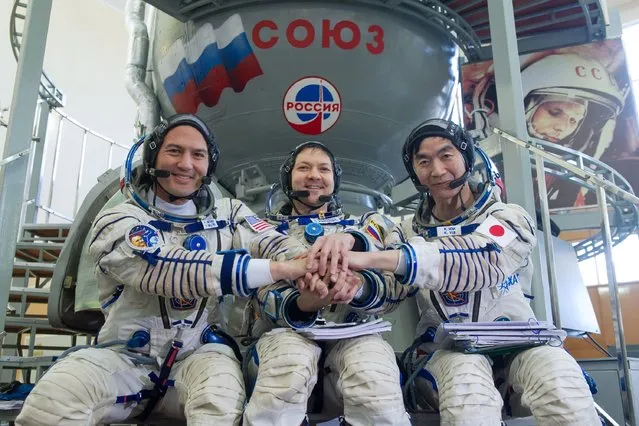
(35,269)
(55,232)
(32,295)
(38,251)
(26,361)
(17,324)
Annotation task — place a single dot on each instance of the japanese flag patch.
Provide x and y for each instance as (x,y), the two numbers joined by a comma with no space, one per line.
(257,224)
(496,231)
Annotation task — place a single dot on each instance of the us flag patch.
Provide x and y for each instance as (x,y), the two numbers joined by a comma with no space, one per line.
(257,224)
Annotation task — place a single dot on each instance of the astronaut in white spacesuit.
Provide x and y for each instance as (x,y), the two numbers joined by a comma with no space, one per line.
(469,254)
(569,99)
(363,378)
(160,257)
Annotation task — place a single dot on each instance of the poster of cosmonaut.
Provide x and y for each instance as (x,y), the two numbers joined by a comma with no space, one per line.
(579,97)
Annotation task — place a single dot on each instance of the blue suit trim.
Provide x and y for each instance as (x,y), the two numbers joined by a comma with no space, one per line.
(370,281)
(360,237)
(226,277)
(380,299)
(97,234)
(487,248)
(286,305)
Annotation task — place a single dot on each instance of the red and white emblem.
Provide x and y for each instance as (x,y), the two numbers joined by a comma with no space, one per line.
(312,105)
(496,231)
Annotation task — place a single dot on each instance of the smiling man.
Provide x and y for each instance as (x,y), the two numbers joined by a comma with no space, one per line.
(363,380)
(163,260)
(470,256)
(185,159)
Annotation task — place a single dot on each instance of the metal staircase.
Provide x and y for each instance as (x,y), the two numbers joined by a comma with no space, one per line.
(37,251)
(39,245)
(28,331)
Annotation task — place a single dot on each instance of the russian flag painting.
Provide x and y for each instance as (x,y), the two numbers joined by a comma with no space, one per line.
(197,71)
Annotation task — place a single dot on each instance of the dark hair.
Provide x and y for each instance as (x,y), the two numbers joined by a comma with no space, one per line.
(154,140)
(461,139)
(287,167)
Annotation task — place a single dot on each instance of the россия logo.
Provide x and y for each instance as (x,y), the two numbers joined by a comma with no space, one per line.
(312,105)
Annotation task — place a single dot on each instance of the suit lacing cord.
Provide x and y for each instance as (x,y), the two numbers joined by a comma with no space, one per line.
(161,382)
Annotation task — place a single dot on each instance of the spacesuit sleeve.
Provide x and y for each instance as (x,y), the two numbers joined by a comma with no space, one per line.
(376,231)
(383,292)
(271,244)
(278,304)
(379,232)
(126,248)
(496,249)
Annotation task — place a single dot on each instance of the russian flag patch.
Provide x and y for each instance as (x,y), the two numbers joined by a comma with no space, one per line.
(375,231)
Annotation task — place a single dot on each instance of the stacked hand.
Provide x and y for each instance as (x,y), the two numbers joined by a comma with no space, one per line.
(330,276)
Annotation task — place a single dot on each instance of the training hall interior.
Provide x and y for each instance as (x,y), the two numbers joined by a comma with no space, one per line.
(545,87)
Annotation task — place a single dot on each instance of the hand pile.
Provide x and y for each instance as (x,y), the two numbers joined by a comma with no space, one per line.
(331,275)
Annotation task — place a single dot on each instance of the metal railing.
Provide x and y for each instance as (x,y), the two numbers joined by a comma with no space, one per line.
(574,165)
(625,212)
(50,94)
(59,140)
(607,190)
(65,120)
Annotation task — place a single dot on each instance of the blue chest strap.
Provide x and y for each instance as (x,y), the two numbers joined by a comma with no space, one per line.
(284,225)
(192,227)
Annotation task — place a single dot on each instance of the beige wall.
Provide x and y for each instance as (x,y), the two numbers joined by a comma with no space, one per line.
(629,296)
(629,11)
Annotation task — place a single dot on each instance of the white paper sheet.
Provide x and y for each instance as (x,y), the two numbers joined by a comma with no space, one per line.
(485,336)
(332,331)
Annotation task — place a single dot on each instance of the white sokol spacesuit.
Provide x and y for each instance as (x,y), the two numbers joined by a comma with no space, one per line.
(477,267)
(157,269)
(362,376)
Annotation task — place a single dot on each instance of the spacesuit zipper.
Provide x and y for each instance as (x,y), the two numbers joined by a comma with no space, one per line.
(437,306)
(476,303)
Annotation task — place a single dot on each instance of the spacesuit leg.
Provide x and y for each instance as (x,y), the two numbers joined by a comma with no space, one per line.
(285,379)
(365,376)
(81,389)
(210,386)
(553,387)
(466,391)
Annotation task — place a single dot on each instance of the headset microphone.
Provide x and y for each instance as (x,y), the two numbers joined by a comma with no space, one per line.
(303,194)
(159,173)
(459,181)
(298,194)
